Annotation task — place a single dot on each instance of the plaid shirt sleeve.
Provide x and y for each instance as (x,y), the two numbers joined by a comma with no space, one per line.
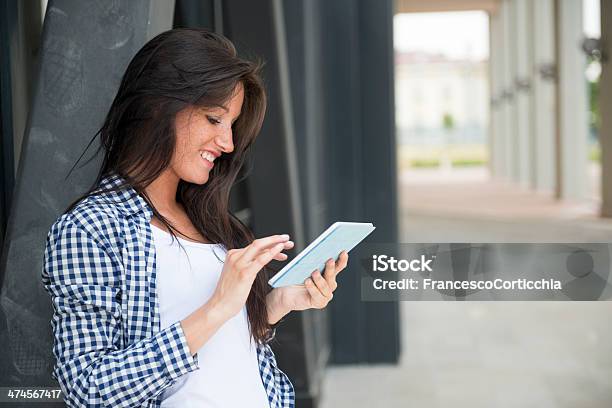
(281,392)
(92,367)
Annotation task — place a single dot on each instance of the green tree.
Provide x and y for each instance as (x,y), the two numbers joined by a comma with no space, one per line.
(448,122)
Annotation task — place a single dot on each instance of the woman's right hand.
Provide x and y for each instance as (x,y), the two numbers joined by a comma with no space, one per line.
(241,268)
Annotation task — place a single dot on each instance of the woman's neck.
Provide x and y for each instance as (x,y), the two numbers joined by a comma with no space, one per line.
(162,192)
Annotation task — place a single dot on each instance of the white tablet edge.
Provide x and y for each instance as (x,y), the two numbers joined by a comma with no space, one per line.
(306,250)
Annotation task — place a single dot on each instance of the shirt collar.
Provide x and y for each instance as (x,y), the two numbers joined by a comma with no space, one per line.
(127,200)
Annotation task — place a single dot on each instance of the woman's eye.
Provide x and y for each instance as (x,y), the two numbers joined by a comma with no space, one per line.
(213,120)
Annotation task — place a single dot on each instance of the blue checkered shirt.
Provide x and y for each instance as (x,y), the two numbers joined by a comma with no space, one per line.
(99,268)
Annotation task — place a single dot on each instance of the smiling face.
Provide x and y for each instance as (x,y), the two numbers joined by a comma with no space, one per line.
(202,135)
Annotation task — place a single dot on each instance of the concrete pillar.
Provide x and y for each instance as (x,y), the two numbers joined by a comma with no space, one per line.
(572,116)
(497,133)
(79,72)
(509,111)
(544,73)
(523,88)
(605,107)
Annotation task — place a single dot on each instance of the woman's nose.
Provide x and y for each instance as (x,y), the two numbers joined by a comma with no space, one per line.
(225,140)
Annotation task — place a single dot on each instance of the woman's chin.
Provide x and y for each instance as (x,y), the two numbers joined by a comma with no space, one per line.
(203,180)
(200,177)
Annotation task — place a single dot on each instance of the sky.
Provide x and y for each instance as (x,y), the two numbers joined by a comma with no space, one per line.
(459,35)
(462,35)
(590,18)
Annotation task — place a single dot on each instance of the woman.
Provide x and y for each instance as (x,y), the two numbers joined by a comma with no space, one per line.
(158,290)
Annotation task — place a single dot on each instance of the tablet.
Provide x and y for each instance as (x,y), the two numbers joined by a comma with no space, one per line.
(339,237)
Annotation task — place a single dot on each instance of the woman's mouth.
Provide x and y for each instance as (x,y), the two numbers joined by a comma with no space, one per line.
(208,159)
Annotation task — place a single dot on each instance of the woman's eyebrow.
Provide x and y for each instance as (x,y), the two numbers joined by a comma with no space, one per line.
(211,109)
(226,109)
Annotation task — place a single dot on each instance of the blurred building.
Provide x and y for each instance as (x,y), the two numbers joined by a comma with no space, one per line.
(440,100)
(540,126)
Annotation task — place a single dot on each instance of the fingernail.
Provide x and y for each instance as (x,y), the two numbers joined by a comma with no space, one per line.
(285,236)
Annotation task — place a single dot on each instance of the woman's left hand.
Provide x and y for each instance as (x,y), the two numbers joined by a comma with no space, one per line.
(315,293)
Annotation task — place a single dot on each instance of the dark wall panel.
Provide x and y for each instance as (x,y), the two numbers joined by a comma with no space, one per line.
(357,56)
(86,47)
(379,179)
(258,29)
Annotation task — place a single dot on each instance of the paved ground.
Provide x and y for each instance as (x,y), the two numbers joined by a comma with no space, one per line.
(490,354)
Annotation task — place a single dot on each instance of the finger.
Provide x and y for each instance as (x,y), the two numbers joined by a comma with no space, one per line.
(261,244)
(330,273)
(318,300)
(342,261)
(281,257)
(266,256)
(321,283)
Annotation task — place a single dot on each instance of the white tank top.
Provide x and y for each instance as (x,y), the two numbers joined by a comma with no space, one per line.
(228,374)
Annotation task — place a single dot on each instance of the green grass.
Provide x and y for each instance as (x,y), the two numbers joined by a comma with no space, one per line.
(459,155)
(421,163)
(433,156)
(595,153)
(467,162)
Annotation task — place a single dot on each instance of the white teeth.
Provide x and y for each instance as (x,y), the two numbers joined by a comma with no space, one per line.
(208,156)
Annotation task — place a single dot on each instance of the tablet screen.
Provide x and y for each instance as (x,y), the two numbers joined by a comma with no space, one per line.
(339,237)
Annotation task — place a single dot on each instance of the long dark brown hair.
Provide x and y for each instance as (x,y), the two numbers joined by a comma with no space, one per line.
(175,70)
